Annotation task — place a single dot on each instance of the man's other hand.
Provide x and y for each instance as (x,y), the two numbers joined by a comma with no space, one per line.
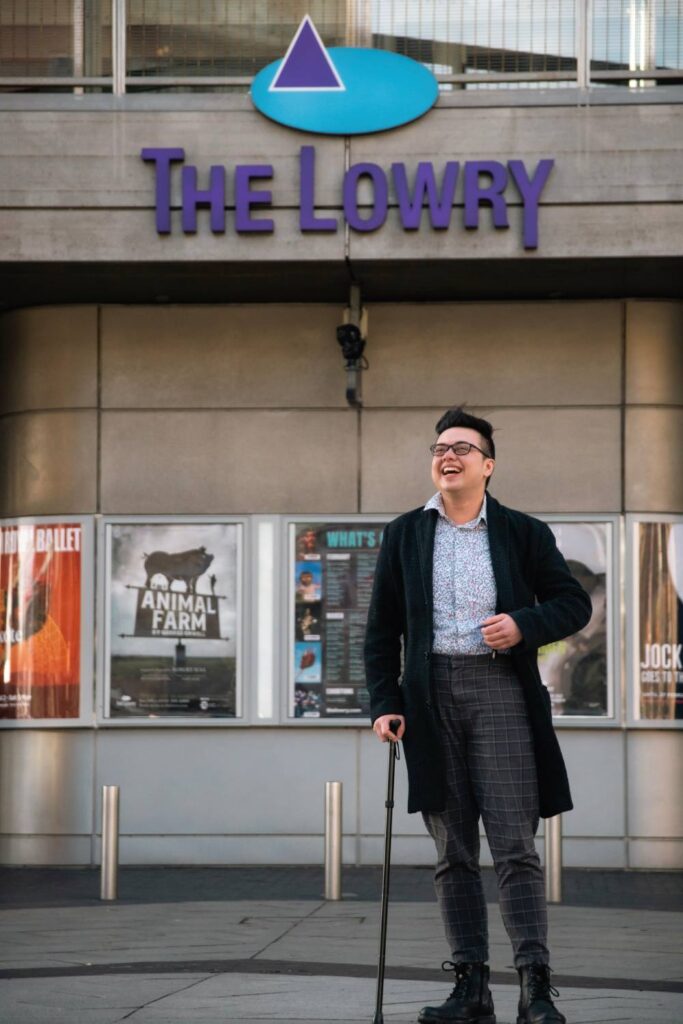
(500,632)
(382,730)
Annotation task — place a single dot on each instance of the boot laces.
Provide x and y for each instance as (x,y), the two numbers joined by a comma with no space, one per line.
(539,983)
(462,973)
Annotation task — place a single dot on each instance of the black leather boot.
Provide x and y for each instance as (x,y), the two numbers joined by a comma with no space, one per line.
(469,1002)
(535,1003)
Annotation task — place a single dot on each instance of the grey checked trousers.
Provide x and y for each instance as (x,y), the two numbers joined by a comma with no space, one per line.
(490,772)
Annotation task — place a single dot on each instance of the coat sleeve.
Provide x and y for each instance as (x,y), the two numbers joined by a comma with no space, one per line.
(563,606)
(383,638)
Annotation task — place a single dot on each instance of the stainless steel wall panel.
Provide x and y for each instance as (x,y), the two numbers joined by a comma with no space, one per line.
(48,462)
(209,782)
(595,765)
(48,358)
(217,461)
(48,779)
(655,770)
(654,352)
(233,356)
(494,353)
(547,460)
(653,479)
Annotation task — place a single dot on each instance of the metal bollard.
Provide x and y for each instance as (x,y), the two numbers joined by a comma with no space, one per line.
(553,859)
(110,843)
(333,840)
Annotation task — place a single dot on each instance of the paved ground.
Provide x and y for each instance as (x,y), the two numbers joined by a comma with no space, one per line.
(153,957)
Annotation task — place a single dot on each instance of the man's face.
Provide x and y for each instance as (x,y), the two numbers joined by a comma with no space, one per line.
(461,474)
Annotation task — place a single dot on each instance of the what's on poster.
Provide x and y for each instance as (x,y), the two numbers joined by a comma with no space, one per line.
(332,573)
(173,619)
(659,607)
(40,620)
(576,670)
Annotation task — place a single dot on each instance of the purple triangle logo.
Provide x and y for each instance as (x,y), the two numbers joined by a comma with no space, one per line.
(307,66)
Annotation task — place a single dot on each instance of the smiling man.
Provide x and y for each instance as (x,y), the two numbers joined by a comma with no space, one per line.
(472,589)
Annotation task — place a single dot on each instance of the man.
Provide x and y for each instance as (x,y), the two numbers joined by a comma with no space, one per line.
(457,583)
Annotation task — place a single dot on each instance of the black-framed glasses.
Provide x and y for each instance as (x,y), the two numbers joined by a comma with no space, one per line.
(459,448)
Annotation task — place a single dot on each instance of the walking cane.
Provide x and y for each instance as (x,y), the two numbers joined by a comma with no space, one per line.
(394,755)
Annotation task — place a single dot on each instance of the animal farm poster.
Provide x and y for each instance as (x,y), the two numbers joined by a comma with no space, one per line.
(173,619)
(40,620)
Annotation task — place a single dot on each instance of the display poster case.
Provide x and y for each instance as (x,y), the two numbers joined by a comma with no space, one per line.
(173,623)
(46,625)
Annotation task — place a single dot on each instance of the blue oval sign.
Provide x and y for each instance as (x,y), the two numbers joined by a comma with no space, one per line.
(342,91)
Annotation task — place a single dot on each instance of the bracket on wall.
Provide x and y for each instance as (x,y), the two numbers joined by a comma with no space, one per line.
(352,336)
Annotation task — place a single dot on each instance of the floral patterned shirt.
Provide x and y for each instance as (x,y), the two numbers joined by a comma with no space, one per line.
(463,582)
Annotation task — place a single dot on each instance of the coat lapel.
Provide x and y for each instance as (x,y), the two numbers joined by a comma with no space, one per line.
(426,528)
(499,545)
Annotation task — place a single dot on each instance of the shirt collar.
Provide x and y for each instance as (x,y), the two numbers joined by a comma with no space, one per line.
(436,502)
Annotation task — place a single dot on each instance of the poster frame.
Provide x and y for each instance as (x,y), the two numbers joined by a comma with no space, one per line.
(615,662)
(633,720)
(613,720)
(86,704)
(287,603)
(245,658)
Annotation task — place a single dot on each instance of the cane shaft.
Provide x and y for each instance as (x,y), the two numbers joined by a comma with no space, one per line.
(389,804)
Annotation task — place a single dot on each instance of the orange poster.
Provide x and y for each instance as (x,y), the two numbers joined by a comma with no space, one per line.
(40,620)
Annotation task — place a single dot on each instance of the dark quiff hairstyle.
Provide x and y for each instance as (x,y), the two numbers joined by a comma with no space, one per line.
(457,417)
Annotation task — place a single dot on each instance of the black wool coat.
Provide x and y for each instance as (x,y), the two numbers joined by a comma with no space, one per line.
(535,587)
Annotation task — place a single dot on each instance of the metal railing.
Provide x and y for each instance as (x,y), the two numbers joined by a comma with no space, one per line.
(120,46)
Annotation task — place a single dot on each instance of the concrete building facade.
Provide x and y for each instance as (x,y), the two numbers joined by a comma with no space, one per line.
(198,374)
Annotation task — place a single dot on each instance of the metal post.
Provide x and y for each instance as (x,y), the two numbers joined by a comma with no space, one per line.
(110,843)
(78,42)
(584,35)
(118,46)
(333,840)
(553,859)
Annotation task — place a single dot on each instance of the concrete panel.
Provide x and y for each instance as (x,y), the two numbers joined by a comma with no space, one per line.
(507,353)
(48,778)
(222,356)
(655,769)
(609,154)
(564,232)
(91,158)
(548,460)
(36,850)
(180,782)
(595,765)
(203,462)
(48,463)
(48,358)
(654,482)
(654,352)
(129,236)
(653,855)
(602,154)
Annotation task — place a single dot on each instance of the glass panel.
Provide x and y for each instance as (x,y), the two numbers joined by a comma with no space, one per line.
(174,622)
(332,568)
(659,621)
(55,38)
(637,35)
(41,577)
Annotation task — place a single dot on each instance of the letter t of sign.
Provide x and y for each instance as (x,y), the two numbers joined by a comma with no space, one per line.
(163,158)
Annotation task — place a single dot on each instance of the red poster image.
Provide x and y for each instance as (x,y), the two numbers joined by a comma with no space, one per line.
(40,620)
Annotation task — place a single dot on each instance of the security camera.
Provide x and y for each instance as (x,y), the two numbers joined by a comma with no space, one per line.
(351,341)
